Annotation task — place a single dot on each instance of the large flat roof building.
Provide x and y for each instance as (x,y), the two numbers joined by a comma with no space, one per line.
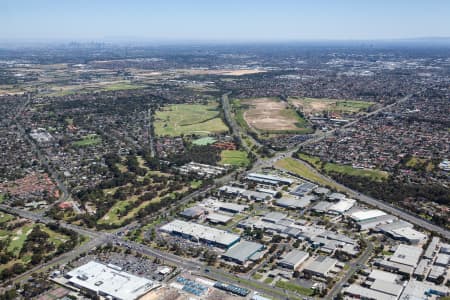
(293,259)
(321,266)
(294,203)
(99,279)
(407,255)
(418,290)
(361,292)
(269,179)
(201,233)
(242,251)
(342,206)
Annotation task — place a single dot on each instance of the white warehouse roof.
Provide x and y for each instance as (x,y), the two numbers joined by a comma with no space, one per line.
(367,214)
(103,279)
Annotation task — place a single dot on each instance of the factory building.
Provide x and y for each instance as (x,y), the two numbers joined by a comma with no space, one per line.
(201,233)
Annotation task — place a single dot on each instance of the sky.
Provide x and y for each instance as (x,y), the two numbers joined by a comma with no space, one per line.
(223,20)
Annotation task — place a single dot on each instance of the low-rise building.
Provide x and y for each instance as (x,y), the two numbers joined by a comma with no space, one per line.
(242,252)
(201,233)
(360,292)
(110,281)
(407,255)
(293,259)
(321,266)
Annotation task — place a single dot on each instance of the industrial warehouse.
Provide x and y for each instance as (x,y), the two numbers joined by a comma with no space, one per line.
(200,233)
(109,281)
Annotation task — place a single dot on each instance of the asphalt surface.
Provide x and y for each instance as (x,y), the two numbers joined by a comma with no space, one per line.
(354,267)
(99,238)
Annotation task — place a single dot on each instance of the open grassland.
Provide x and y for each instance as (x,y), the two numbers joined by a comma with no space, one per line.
(89,140)
(204,141)
(296,167)
(311,106)
(188,119)
(234,157)
(294,288)
(371,174)
(270,115)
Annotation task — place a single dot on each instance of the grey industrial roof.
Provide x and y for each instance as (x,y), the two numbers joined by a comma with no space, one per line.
(383,275)
(232,206)
(336,196)
(321,191)
(356,289)
(269,178)
(407,255)
(442,259)
(218,218)
(192,212)
(429,253)
(294,257)
(422,267)
(274,216)
(420,289)
(322,206)
(293,202)
(321,265)
(393,265)
(387,287)
(303,188)
(201,232)
(436,271)
(243,250)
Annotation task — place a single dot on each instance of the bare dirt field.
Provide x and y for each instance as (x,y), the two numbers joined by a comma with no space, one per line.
(268,114)
(311,106)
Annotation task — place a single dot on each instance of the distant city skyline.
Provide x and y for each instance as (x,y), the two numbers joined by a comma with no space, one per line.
(231,20)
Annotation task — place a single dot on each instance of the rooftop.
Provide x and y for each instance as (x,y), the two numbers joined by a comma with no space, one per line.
(363,292)
(294,257)
(243,250)
(110,281)
(367,214)
(201,232)
(407,255)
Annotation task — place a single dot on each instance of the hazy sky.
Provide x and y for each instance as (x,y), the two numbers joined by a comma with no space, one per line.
(239,20)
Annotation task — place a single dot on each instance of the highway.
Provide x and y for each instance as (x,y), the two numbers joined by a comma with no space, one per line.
(98,238)
(385,206)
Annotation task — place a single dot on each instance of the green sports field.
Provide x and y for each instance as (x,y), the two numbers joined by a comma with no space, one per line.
(234,157)
(89,140)
(189,119)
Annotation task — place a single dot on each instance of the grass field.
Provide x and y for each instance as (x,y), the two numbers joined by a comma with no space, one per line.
(294,287)
(234,157)
(300,169)
(89,140)
(188,119)
(371,174)
(5,217)
(204,141)
(319,105)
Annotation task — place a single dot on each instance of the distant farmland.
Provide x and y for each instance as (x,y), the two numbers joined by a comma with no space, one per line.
(188,119)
